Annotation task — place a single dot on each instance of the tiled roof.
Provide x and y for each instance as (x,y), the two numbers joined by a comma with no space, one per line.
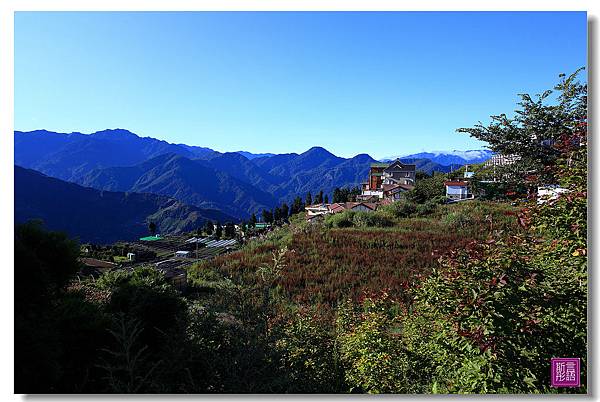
(388,187)
(370,205)
(337,208)
(455,183)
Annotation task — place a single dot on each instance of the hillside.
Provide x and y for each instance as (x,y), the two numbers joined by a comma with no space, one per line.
(237,183)
(193,182)
(101,216)
(367,252)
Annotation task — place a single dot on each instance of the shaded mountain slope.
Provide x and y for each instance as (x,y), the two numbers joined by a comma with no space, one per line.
(193,182)
(101,216)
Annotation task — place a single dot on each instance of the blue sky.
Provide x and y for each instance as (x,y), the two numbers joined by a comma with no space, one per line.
(373,82)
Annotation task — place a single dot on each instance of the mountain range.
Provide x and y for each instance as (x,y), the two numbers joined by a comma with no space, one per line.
(449,158)
(102,216)
(236,183)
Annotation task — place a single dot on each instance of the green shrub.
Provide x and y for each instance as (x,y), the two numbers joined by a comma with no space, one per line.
(371,219)
(309,354)
(400,209)
(374,356)
(340,220)
(426,208)
(457,219)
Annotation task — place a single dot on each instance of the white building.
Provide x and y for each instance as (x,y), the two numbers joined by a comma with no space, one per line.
(316,210)
(457,190)
(501,160)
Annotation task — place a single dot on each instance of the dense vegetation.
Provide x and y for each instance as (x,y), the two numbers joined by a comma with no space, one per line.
(417,297)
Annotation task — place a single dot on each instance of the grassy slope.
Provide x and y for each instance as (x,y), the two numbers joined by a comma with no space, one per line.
(325,266)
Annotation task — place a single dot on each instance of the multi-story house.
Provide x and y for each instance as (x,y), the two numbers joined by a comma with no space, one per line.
(387,179)
(399,173)
(501,160)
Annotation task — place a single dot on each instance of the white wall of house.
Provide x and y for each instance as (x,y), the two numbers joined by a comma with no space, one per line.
(457,191)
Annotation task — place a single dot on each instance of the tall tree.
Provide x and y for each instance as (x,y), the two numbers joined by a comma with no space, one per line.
(276,214)
(308,200)
(284,211)
(218,231)
(252,222)
(337,195)
(267,216)
(209,228)
(152,228)
(319,197)
(326,199)
(420,175)
(229,230)
(297,206)
(540,122)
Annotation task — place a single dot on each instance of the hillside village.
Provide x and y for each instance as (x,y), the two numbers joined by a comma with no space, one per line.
(386,183)
(413,282)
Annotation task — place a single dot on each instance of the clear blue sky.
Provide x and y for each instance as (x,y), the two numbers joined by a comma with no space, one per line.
(380,83)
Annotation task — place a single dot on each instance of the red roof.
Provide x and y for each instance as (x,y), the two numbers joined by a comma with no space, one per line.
(339,207)
(456,183)
(370,205)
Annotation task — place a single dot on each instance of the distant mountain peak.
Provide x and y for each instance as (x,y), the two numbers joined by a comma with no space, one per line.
(317,151)
(115,133)
(362,157)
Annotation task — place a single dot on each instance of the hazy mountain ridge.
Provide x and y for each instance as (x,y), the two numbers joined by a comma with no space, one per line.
(450,157)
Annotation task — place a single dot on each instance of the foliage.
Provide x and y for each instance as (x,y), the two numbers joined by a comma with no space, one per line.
(343,219)
(345,194)
(372,350)
(54,330)
(428,188)
(416,297)
(124,366)
(309,353)
(535,127)
(209,227)
(507,306)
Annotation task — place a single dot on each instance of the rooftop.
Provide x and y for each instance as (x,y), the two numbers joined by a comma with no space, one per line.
(151,238)
(456,183)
